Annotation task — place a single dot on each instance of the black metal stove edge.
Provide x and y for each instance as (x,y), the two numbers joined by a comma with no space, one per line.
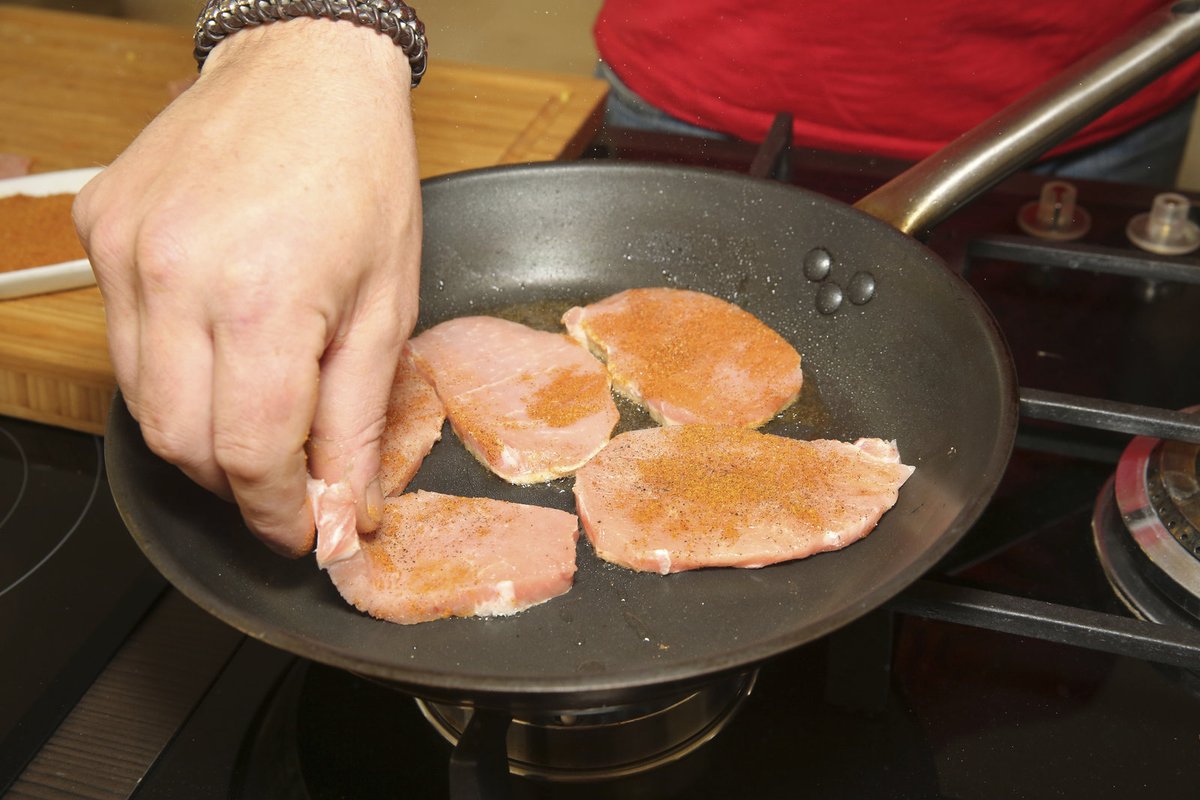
(202,759)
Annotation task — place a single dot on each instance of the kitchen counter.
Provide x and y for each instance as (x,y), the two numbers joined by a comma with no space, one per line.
(75,89)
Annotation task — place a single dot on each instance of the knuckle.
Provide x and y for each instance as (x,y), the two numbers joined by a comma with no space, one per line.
(167,442)
(258,288)
(244,460)
(89,203)
(243,297)
(106,240)
(81,208)
(358,431)
(160,255)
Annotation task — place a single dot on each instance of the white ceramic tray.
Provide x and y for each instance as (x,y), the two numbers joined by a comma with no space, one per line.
(51,277)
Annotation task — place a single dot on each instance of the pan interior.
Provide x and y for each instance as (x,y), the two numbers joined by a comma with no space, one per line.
(921,363)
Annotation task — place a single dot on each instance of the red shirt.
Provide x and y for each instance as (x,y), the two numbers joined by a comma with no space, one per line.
(899,78)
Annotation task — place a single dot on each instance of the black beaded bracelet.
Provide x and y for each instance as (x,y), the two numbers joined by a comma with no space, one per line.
(392,18)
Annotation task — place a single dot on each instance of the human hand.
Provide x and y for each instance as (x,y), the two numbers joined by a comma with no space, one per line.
(258,249)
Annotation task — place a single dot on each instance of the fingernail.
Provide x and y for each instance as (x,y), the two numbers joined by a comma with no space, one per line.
(374,499)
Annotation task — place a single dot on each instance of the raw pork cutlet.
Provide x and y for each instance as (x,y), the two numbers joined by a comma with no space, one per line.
(689,357)
(414,424)
(438,556)
(530,405)
(673,499)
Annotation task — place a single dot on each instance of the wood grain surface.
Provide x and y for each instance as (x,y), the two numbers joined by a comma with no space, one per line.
(75,89)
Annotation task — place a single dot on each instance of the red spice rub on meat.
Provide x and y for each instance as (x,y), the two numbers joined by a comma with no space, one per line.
(530,405)
(414,424)
(689,357)
(437,556)
(673,499)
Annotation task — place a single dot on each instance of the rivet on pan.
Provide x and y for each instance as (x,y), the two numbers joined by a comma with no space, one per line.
(861,288)
(817,263)
(829,298)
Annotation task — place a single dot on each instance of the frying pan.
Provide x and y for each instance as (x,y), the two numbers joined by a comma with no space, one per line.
(921,362)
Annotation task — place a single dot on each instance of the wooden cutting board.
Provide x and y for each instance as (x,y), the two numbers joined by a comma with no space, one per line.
(75,89)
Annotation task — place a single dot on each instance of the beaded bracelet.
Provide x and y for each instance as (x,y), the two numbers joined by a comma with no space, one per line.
(392,18)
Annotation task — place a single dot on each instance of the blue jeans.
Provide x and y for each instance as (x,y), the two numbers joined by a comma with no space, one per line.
(1149,155)
(627,109)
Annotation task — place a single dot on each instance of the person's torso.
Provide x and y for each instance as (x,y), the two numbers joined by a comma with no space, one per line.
(899,79)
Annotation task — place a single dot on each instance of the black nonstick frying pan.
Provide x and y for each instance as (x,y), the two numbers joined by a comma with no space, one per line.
(920,361)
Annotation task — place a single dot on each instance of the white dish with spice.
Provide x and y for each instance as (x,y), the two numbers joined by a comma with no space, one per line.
(49,277)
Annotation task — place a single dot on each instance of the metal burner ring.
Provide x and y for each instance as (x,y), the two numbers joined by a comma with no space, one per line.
(612,742)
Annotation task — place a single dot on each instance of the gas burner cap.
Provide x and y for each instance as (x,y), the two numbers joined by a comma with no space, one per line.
(1126,569)
(1055,215)
(612,742)
(1157,493)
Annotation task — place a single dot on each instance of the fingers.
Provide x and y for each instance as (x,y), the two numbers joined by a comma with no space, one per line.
(356,382)
(264,389)
(175,378)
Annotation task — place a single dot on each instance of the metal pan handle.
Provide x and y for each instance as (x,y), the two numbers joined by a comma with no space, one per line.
(933,189)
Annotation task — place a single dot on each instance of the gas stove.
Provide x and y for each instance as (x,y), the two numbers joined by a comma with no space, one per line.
(1046,655)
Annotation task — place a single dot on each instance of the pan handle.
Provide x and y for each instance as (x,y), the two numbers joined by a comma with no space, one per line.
(933,189)
(1109,415)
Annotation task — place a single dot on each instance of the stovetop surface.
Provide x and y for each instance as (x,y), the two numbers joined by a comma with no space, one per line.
(969,713)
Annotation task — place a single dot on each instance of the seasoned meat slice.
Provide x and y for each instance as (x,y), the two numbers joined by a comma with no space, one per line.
(689,357)
(530,405)
(414,424)
(438,556)
(672,499)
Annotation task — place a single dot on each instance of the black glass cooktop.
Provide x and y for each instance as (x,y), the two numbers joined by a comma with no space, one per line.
(72,582)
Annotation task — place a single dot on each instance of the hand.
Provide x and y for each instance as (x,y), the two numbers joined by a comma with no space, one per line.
(258,248)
